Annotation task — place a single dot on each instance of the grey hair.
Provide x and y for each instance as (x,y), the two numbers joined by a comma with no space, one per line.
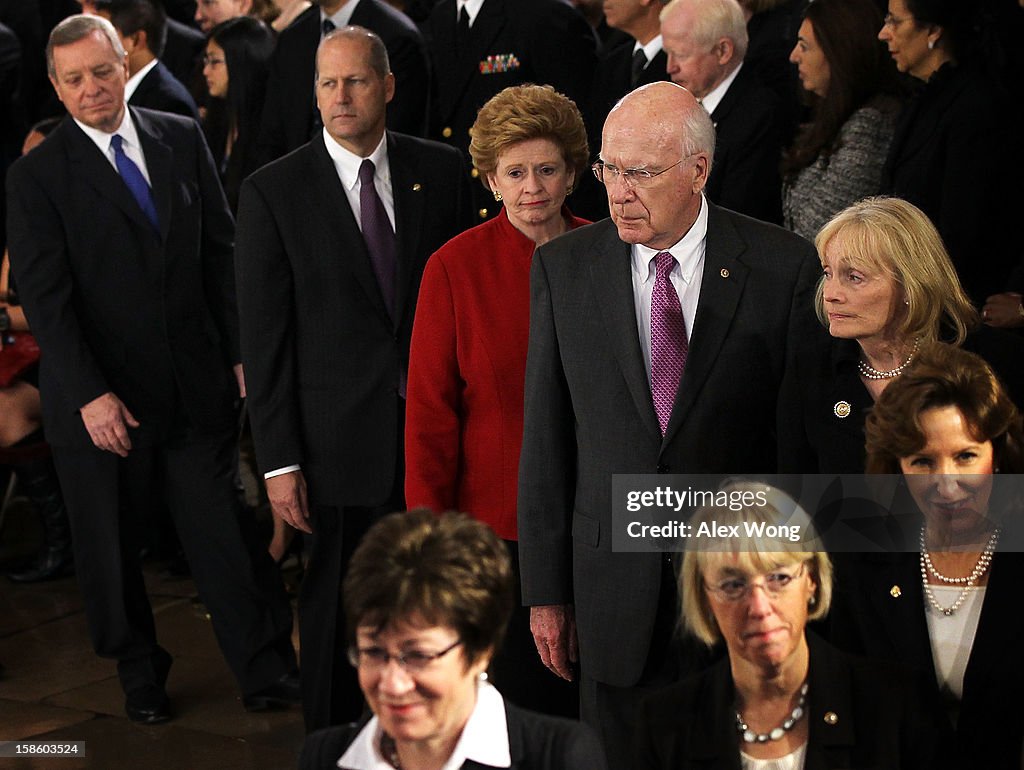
(77,27)
(713,20)
(698,134)
(378,53)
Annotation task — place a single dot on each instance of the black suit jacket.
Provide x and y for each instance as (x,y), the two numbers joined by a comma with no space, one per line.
(751,128)
(115,305)
(867,619)
(323,357)
(880,723)
(182,51)
(955,154)
(160,90)
(536,742)
(589,413)
(288,110)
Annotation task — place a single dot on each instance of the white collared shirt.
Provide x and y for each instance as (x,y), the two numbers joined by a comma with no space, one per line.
(484,739)
(686,277)
(134,80)
(342,18)
(347,165)
(130,143)
(472,8)
(651,49)
(715,95)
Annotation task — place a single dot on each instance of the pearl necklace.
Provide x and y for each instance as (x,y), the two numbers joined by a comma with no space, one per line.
(980,567)
(871,373)
(749,736)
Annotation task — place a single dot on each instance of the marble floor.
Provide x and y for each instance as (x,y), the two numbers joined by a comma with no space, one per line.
(53,688)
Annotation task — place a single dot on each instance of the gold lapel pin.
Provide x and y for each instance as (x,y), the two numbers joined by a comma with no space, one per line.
(725,272)
(895,592)
(417,187)
(831,718)
(842,409)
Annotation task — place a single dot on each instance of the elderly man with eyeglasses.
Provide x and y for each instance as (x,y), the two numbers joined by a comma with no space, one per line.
(658,339)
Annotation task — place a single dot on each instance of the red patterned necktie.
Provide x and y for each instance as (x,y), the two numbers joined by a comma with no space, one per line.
(668,340)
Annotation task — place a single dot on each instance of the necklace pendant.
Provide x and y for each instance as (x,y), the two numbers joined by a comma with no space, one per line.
(948,611)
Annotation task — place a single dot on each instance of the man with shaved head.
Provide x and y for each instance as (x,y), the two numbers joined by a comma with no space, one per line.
(658,339)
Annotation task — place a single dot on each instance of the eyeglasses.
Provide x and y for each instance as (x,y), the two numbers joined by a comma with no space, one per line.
(412,661)
(893,21)
(211,61)
(632,177)
(775,584)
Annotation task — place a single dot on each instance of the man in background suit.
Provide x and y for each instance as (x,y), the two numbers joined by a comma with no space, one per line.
(706,41)
(120,241)
(332,240)
(290,116)
(479,47)
(632,59)
(657,344)
(142,26)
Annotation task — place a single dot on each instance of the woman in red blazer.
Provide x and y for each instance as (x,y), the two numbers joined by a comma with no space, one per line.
(464,408)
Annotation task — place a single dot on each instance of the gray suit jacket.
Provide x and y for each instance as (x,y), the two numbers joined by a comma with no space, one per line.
(589,413)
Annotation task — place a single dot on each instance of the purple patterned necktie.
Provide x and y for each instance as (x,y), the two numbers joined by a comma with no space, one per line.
(380,238)
(668,340)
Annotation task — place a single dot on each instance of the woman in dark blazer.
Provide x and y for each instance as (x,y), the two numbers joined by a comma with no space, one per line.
(467,363)
(427,598)
(781,698)
(888,286)
(951,617)
(955,152)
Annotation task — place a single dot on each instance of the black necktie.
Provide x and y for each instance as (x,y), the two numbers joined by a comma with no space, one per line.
(380,238)
(328,26)
(462,32)
(639,62)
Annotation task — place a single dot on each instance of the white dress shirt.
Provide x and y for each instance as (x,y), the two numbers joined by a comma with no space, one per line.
(484,739)
(130,143)
(686,277)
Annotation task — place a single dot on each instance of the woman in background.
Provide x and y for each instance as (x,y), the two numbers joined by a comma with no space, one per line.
(235,67)
(837,157)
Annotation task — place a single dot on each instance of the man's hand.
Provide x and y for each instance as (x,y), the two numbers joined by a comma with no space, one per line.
(1003,310)
(554,632)
(287,495)
(107,419)
(240,379)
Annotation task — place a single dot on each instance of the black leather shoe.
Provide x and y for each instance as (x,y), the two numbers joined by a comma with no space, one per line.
(148,705)
(283,693)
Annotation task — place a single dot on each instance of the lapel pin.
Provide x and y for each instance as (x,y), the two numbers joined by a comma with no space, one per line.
(417,187)
(831,718)
(842,409)
(895,592)
(725,272)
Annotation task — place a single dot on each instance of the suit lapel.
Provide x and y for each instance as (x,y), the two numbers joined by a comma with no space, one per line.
(332,208)
(613,285)
(901,617)
(160,162)
(721,287)
(408,191)
(98,173)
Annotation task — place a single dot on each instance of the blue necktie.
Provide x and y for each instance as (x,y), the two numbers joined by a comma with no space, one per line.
(136,182)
